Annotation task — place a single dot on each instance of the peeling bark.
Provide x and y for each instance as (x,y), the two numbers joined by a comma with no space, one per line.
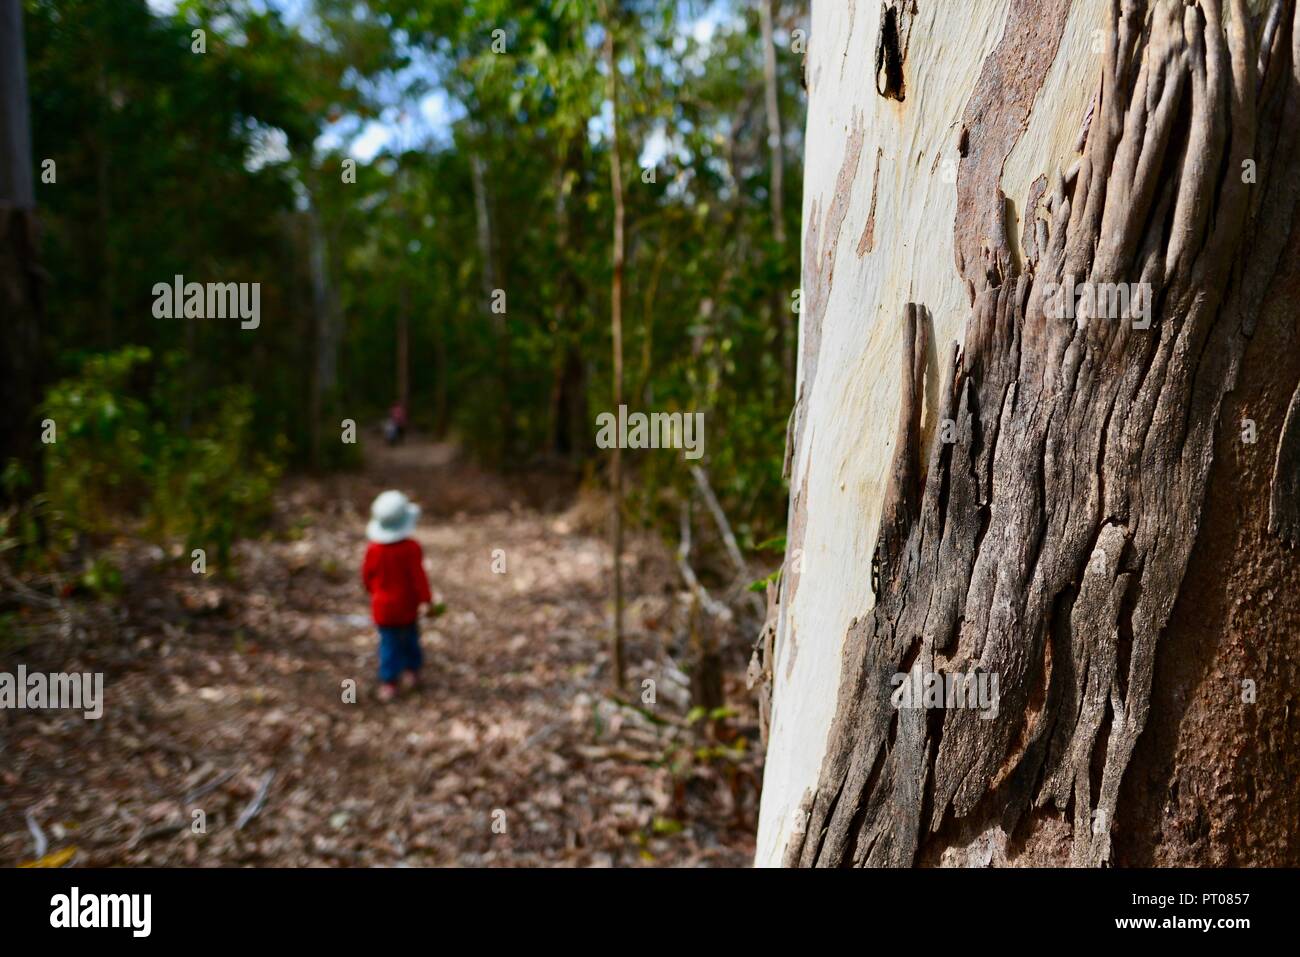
(1048,540)
(995,118)
(868,241)
(891,48)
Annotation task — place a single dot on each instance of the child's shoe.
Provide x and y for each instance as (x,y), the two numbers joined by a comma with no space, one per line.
(410,681)
(387,692)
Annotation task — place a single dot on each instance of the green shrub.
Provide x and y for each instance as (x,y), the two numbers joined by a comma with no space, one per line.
(99,463)
(119,454)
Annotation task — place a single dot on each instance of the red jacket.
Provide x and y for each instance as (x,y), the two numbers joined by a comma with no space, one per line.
(394,576)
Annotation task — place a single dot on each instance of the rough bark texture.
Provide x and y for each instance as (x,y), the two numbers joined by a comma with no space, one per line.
(1050,538)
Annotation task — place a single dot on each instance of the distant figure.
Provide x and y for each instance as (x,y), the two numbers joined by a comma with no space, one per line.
(393,573)
(395,426)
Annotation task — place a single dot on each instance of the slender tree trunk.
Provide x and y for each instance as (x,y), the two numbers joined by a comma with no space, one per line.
(560,441)
(773,103)
(403,350)
(326,331)
(104,208)
(642,391)
(575,405)
(404,345)
(20,283)
(1075,646)
(776,189)
(16,182)
(616,334)
(440,329)
(500,330)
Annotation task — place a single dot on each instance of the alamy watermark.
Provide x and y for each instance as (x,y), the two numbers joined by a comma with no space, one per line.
(179,299)
(38,691)
(75,909)
(1099,300)
(658,430)
(976,690)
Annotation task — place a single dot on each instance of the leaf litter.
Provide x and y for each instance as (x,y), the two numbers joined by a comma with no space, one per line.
(226,739)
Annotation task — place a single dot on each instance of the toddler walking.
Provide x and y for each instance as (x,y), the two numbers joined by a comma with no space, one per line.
(393,573)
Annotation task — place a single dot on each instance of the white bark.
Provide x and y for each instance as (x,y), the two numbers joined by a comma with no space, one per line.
(848,378)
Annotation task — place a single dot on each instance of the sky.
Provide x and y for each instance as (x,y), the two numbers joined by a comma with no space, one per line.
(430,122)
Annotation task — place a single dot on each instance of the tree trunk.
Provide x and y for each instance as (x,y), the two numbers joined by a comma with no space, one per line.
(1086,501)
(107,269)
(20,274)
(616,334)
(404,345)
(776,187)
(571,431)
(488,276)
(327,332)
(403,350)
(568,403)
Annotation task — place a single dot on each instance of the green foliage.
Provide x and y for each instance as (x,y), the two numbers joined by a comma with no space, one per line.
(101,577)
(666,826)
(119,453)
(21,525)
(27,532)
(700,713)
(226,166)
(98,464)
(212,488)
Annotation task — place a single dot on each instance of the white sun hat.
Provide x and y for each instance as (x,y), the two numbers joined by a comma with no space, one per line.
(392,518)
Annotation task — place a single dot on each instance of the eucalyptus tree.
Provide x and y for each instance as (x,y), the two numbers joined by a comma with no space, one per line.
(1046,441)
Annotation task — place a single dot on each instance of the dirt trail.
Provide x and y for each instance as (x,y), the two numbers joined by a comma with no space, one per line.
(219,691)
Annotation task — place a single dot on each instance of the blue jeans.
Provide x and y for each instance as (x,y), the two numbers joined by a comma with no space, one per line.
(399,650)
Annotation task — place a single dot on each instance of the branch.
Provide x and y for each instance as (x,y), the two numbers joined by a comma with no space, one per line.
(728,537)
(712,606)
(259,801)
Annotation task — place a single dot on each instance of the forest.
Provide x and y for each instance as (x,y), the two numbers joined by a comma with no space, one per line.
(652,433)
(264,225)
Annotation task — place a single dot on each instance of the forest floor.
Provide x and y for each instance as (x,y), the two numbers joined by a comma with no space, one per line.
(227,695)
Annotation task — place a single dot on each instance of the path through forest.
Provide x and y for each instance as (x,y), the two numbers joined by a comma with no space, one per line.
(226,696)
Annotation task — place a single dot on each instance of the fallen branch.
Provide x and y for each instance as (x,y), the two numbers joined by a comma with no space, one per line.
(593,752)
(211,786)
(728,537)
(667,720)
(711,605)
(30,595)
(537,737)
(36,599)
(38,836)
(259,801)
(720,519)
(166,829)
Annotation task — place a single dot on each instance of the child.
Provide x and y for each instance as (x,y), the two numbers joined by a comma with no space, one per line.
(395,424)
(393,573)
